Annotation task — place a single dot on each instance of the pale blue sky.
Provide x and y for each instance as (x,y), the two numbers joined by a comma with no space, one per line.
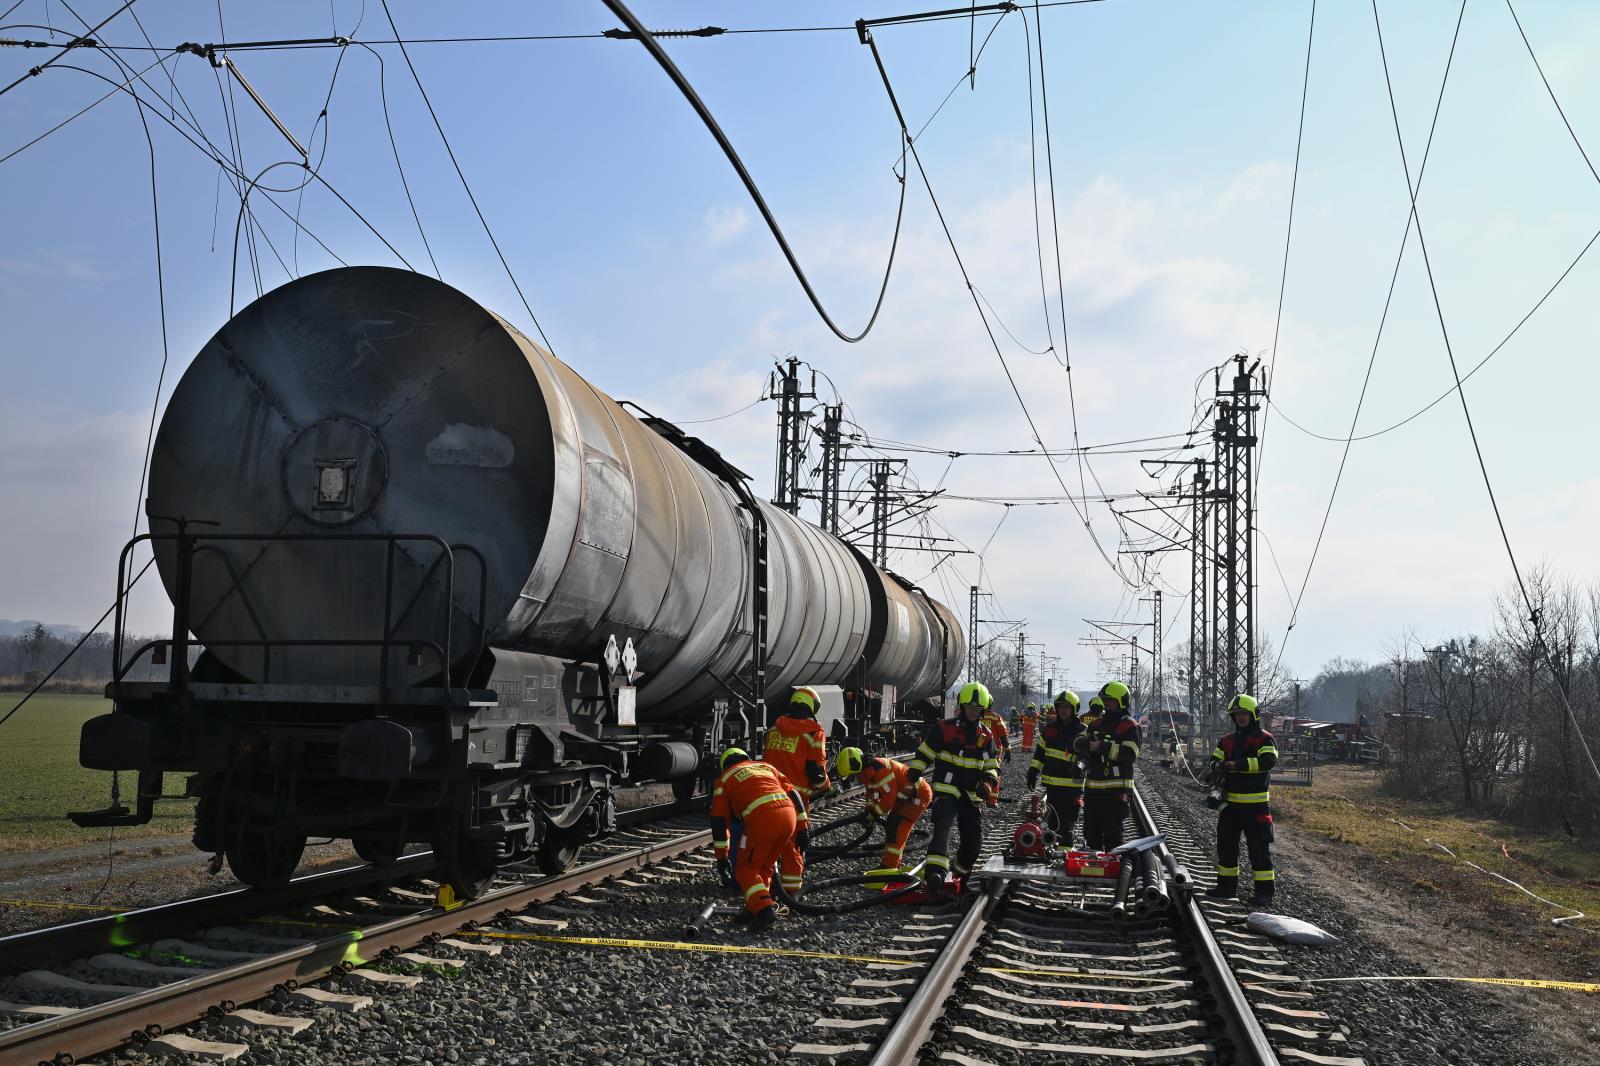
(1174,131)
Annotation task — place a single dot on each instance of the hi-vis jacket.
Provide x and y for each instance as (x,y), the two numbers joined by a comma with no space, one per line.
(1253,755)
(997,729)
(884,779)
(1053,758)
(797,746)
(957,755)
(743,789)
(1110,768)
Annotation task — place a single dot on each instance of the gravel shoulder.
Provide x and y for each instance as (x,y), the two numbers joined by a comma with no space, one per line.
(1390,927)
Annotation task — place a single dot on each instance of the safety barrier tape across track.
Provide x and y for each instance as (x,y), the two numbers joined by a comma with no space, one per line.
(798,953)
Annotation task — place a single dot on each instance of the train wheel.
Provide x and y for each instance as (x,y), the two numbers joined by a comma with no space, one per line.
(460,863)
(262,860)
(557,854)
(379,851)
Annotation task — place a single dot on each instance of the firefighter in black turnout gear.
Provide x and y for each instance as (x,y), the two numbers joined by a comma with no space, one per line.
(1108,749)
(958,756)
(1241,767)
(1055,764)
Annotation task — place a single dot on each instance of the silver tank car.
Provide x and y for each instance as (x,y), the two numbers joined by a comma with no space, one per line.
(368,400)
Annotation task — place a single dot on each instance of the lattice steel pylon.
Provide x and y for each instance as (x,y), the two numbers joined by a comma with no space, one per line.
(1232,528)
(1200,578)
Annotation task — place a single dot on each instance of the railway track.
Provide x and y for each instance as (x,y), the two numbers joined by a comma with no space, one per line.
(84,988)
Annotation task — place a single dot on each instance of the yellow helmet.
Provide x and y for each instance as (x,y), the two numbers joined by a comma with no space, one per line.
(1116,690)
(973,692)
(1244,702)
(730,754)
(806,697)
(1097,706)
(849,762)
(1067,697)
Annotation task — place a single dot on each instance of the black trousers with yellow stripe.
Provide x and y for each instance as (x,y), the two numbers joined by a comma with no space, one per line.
(1254,821)
(1104,811)
(950,812)
(1065,802)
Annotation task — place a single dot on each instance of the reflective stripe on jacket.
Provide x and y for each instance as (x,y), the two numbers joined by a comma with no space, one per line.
(797,746)
(1254,755)
(1054,758)
(956,755)
(1111,767)
(745,787)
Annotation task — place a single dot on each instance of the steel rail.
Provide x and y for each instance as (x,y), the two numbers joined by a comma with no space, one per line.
(926,1006)
(902,1044)
(1250,1044)
(49,944)
(100,1028)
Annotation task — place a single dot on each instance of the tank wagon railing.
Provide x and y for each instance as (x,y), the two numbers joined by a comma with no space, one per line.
(189,545)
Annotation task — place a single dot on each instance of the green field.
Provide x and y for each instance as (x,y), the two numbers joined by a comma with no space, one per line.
(40,779)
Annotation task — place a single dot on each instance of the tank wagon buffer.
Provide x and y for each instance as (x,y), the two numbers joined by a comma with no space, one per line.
(443,590)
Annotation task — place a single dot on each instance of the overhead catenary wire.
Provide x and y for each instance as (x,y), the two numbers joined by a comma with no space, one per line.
(1366,381)
(687,90)
(464,184)
(1288,237)
(1466,410)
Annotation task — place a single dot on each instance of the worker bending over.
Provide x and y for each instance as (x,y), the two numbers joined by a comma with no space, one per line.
(797,746)
(774,831)
(1108,749)
(959,755)
(884,781)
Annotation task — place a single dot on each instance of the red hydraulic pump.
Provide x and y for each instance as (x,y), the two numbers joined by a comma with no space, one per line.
(1031,840)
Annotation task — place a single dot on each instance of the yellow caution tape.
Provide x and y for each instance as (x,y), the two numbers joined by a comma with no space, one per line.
(49,905)
(680,945)
(1518,982)
(753,949)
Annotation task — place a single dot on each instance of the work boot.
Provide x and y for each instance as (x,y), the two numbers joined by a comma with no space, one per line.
(763,919)
(1261,899)
(1222,891)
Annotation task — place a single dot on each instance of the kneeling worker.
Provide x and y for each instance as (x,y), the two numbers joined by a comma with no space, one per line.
(884,780)
(959,754)
(774,830)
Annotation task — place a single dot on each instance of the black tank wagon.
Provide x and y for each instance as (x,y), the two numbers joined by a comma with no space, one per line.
(449,592)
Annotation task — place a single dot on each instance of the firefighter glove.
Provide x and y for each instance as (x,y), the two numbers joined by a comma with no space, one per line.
(725,872)
(1008,756)
(802,839)
(1033,779)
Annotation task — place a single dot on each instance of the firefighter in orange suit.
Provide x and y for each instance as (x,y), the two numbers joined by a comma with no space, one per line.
(884,780)
(797,746)
(997,729)
(1030,722)
(774,831)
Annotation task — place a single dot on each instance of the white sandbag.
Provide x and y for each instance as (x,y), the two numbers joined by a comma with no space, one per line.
(1292,930)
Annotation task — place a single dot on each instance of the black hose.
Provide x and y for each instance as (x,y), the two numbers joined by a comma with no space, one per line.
(820,853)
(798,904)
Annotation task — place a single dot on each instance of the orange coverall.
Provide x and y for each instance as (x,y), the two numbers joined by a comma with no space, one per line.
(883,780)
(797,747)
(1030,722)
(759,795)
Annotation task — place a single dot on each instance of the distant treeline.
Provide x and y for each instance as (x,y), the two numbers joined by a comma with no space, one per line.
(27,657)
(1491,721)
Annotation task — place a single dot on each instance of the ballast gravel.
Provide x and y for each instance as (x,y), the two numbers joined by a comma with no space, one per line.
(548,1002)
(1390,1023)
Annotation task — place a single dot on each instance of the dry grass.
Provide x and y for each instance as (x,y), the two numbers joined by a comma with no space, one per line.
(1346,805)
